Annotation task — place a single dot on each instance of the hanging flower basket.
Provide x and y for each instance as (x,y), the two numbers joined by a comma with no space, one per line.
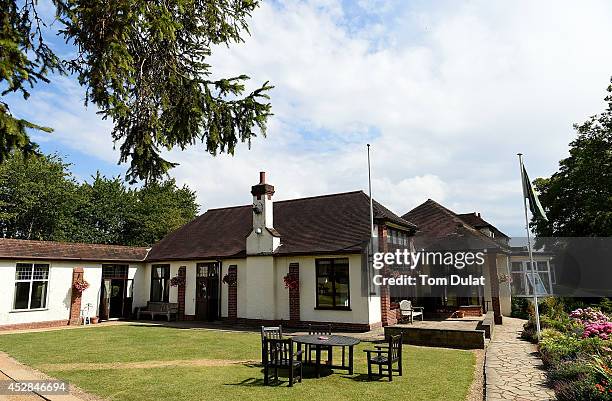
(291,282)
(81,285)
(177,281)
(230,279)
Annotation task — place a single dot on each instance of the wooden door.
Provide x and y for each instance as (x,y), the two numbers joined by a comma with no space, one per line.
(202,298)
(207,291)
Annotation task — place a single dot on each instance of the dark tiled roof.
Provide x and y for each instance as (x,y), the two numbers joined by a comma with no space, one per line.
(476,221)
(440,227)
(322,224)
(50,250)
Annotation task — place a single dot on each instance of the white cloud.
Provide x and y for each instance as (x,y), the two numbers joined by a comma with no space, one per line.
(446,103)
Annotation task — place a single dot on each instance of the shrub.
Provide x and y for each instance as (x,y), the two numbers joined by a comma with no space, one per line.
(553,308)
(520,308)
(581,380)
(606,306)
(589,315)
(556,347)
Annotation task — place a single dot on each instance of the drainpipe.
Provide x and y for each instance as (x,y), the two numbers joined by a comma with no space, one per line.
(220,287)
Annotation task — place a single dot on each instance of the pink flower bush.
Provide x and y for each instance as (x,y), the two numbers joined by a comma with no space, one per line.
(601,330)
(596,323)
(589,315)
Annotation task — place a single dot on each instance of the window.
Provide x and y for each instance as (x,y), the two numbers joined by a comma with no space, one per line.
(115,271)
(524,280)
(31,286)
(332,283)
(160,283)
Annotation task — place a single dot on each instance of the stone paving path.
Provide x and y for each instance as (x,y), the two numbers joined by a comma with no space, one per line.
(513,369)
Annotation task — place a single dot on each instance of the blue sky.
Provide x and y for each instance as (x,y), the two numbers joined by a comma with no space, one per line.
(446,92)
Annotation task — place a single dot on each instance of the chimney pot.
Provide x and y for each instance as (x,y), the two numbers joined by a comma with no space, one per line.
(262,177)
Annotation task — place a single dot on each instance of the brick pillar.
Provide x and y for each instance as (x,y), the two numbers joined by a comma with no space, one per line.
(386,315)
(494,282)
(75,297)
(182,272)
(232,293)
(294,294)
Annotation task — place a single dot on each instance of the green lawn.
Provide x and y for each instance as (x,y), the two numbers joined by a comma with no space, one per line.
(429,373)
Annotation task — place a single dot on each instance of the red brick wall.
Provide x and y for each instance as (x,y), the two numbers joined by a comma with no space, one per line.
(75,297)
(182,272)
(303,324)
(232,294)
(34,325)
(388,317)
(294,294)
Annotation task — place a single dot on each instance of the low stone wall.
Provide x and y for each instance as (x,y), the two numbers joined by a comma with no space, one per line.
(430,337)
(487,324)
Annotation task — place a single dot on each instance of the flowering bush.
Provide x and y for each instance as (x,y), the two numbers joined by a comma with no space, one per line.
(602,366)
(291,282)
(601,330)
(81,285)
(589,315)
(177,281)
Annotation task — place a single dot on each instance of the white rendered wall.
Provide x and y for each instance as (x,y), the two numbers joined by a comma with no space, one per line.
(261,287)
(59,290)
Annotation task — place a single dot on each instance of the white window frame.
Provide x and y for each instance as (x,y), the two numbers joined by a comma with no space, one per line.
(31,280)
(529,279)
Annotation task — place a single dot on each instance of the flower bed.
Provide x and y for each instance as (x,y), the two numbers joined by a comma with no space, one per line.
(576,348)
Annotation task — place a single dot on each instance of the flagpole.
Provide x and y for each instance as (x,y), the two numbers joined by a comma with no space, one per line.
(535,292)
(371,220)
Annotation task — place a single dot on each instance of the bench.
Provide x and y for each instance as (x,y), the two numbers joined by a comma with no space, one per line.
(159,308)
(407,311)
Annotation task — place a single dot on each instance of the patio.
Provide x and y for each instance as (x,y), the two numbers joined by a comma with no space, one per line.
(151,361)
(463,333)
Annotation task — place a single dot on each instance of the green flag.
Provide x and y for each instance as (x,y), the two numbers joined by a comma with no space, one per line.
(529,192)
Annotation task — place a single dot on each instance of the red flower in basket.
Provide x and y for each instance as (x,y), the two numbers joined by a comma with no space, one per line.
(81,285)
(177,281)
(291,282)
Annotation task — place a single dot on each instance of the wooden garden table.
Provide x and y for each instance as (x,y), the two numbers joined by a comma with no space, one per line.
(330,341)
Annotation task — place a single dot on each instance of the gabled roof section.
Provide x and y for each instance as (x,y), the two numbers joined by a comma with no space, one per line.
(336,223)
(441,228)
(476,221)
(51,250)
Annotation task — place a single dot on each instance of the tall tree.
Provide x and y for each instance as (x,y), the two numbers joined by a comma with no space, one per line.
(144,64)
(103,208)
(159,209)
(36,198)
(40,199)
(578,197)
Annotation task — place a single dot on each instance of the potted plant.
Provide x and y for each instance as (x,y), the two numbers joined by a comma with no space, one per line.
(93,320)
